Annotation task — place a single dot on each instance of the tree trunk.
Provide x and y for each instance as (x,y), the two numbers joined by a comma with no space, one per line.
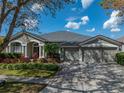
(10,32)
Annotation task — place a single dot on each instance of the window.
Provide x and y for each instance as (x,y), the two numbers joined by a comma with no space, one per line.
(17,48)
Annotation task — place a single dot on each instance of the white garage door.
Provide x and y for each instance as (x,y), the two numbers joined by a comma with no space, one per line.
(99,55)
(72,54)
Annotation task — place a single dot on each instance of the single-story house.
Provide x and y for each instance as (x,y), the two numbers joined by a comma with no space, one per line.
(73,46)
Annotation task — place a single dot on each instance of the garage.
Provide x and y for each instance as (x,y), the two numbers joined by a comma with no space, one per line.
(99,54)
(71,54)
(100,49)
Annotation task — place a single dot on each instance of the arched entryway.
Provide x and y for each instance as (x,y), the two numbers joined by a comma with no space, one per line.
(33,49)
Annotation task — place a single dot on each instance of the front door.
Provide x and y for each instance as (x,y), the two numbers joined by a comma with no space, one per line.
(35,51)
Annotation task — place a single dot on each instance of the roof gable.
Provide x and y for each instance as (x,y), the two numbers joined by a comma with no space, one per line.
(17,35)
(101,39)
(121,39)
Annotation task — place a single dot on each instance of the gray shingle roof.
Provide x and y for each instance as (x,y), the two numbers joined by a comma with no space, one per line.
(64,36)
(121,39)
(74,44)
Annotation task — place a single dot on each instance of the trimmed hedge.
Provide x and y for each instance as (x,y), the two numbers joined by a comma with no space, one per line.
(120,58)
(30,66)
(10,55)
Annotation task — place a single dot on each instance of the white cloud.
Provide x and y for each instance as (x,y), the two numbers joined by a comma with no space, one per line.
(68,30)
(71,18)
(73,25)
(91,30)
(113,22)
(37,7)
(115,30)
(85,20)
(76,25)
(86,3)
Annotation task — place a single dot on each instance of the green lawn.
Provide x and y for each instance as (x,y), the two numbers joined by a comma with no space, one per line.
(12,87)
(27,73)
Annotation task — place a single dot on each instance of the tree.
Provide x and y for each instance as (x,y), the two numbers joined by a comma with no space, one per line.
(51,49)
(114,4)
(1,40)
(18,14)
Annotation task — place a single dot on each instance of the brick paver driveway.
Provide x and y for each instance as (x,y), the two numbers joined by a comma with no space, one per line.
(81,77)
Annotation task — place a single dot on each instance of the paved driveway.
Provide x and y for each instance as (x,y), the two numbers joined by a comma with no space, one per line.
(81,77)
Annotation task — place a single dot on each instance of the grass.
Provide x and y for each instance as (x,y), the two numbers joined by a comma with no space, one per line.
(27,73)
(14,87)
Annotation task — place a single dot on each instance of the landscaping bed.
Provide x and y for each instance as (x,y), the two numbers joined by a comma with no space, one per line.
(29,69)
(120,58)
(15,64)
(16,87)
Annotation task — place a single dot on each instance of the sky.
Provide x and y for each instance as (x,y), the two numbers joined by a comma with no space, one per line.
(85,17)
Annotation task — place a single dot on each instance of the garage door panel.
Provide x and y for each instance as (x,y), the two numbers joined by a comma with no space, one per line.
(99,55)
(109,55)
(92,56)
(71,54)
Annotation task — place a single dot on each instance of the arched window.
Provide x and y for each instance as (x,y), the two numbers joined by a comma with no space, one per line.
(16,47)
(35,44)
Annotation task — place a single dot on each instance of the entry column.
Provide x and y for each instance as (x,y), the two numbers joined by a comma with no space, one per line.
(43,51)
(40,45)
(24,50)
(80,55)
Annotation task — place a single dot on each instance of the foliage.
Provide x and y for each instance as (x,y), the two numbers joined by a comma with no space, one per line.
(30,66)
(25,14)
(1,40)
(10,55)
(120,58)
(35,56)
(24,59)
(51,49)
(113,4)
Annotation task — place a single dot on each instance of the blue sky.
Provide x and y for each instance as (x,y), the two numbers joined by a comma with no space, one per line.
(85,17)
(73,13)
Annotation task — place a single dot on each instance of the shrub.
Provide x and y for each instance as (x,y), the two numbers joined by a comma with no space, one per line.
(120,58)
(35,56)
(30,66)
(24,59)
(10,55)
(51,49)
(43,60)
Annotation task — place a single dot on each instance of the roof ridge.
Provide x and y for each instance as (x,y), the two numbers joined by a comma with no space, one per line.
(66,32)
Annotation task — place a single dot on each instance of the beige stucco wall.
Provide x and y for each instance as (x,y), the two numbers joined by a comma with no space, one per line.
(26,43)
(96,43)
(26,39)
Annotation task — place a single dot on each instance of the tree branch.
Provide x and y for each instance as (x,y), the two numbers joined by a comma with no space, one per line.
(24,3)
(11,27)
(2,12)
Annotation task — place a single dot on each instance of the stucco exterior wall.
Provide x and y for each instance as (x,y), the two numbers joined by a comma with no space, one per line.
(26,39)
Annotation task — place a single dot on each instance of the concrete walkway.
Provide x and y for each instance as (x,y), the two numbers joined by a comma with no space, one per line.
(25,79)
(81,77)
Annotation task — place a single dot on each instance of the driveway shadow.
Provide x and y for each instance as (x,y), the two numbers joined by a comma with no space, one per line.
(84,77)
